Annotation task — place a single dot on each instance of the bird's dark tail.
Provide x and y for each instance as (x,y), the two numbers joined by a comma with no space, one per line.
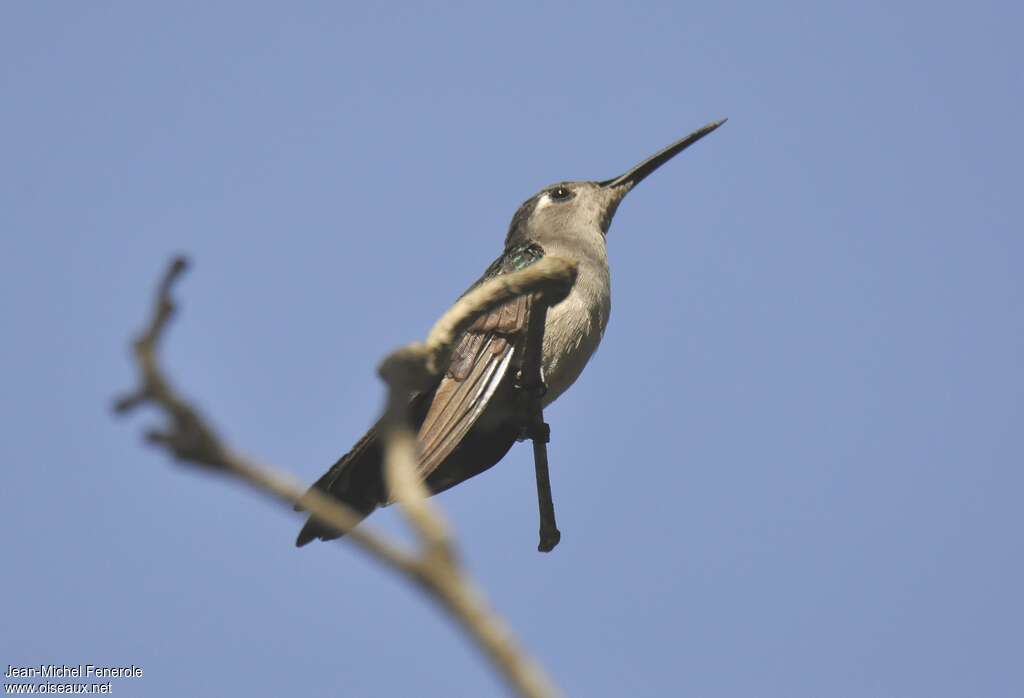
(355,480)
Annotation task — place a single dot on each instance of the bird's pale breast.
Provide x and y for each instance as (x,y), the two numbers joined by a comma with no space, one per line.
(574,328)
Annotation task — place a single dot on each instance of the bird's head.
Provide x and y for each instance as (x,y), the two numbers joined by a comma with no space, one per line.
(567,209)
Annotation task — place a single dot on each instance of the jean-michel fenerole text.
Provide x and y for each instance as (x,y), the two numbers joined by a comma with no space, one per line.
(50,671)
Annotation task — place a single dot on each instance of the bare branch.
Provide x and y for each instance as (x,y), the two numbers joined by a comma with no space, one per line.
(549,533)
(416,365)
(188,436)
(533,389)
(190,439)
(408,489)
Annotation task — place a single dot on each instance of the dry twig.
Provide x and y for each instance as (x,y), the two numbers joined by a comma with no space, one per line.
(435,568)
(533,388)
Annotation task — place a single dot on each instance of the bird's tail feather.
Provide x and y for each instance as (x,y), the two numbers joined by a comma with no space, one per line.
(355,480)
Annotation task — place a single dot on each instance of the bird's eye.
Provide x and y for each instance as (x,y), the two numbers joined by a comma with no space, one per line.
(560,194)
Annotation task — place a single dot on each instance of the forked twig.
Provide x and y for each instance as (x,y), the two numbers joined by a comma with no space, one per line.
(190,439)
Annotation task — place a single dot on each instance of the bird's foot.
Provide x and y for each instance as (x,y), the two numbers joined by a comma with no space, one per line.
(535,431)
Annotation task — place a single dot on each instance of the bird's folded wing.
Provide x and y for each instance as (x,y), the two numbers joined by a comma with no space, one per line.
(479,363)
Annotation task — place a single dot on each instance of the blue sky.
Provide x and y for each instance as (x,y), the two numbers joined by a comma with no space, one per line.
(792,469)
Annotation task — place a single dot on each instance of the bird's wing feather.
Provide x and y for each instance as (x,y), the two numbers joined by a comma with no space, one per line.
(480,361)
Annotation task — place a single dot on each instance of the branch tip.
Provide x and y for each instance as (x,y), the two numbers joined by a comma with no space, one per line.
(187,437)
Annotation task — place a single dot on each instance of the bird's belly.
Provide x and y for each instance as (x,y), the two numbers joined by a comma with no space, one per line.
(572,333)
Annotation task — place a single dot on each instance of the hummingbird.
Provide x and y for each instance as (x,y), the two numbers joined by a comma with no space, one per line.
(471,418)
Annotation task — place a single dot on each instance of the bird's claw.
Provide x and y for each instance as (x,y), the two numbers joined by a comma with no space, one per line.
(535,431)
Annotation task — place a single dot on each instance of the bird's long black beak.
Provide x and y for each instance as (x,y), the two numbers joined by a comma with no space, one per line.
(636,174)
